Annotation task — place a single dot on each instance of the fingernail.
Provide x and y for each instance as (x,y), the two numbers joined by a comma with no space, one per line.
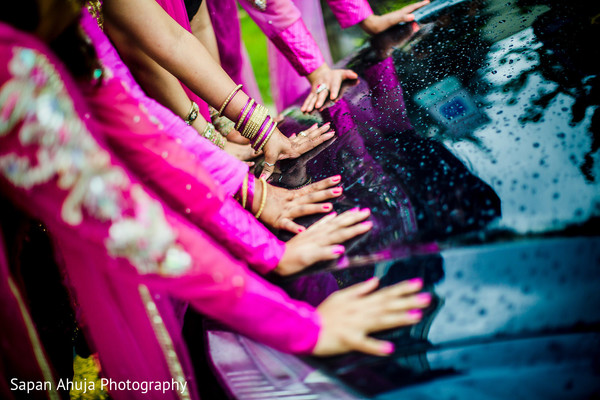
(327,123)
(365,210)
(337,190)
(416,314)
(424,298)
(416,282)
(336,178)
(263,176)
(387,348)
(353,209)
(339,249)
(367,223)
(300,230)
(327,207)
(331,213)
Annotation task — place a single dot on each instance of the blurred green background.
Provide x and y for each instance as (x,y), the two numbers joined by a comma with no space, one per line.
(340,41)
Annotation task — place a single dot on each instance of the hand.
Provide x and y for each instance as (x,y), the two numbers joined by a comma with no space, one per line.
(375,24)
(349,315)
(280,147)
(242,152)
(321,240)
(284,205)
(331,79)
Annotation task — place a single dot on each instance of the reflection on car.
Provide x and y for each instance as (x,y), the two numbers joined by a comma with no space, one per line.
(473,136)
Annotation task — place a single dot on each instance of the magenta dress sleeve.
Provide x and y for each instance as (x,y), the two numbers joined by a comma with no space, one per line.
(125,252)
(350,12)
(178,176)
(228,171)
(282,23)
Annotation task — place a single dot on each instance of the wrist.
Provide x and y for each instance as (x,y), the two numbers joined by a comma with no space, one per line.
(371,24)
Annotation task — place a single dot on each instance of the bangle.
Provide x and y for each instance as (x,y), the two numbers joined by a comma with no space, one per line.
(244,191)
(263,199)
(262,132)
(228,99)
(267,138)
(192,114)
(255,121)
(251,188)
(249,106)
(213,136)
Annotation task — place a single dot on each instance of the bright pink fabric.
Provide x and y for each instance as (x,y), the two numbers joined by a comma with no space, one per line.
(117,240)
(227,170)
(173,171)
(176,9)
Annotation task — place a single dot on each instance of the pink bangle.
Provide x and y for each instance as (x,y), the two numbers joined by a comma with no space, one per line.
(243,113)
(250,198)
(261,132)
(265,133)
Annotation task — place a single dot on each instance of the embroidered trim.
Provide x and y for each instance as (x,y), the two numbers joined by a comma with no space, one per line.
(36,98)
(164,339)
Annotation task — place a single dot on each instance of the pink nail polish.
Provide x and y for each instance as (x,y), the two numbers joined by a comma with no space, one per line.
(387,348)
(336,178)
(424,298)
(353,209)
(416,282)
(416,314)
(326,207)
(367,223)
(262,176)
(365,210)
(339,249)
(337,191)
(300,230)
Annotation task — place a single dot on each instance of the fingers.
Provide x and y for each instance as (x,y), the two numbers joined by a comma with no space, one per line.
(413,7)
(309,209)
(291,226)
(309,103)
(321,185)
(319,196)
(359,289)
(269,166)
(373,346)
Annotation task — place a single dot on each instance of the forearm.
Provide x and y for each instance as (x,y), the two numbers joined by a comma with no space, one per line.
(203,30)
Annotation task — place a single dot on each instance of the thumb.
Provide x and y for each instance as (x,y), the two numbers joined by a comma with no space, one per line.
(268,167)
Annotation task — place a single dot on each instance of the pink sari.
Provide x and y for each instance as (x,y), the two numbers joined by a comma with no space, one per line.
(126,253)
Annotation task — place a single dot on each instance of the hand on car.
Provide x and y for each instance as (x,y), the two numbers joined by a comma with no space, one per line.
(375,24)
(284,205)
(321,240)
(279,147)
(349,315)
(325,82)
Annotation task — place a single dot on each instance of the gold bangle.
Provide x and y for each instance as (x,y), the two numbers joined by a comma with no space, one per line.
(263,200)
(267,138)
(244,191)
(228,99)
(256,119)
(244,114)
(192,114)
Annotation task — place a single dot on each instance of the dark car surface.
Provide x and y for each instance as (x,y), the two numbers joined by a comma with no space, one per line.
(473,136)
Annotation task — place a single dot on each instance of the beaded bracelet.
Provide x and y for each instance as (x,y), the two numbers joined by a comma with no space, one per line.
(214,136)
(263,199)
(228,99)
(192,114)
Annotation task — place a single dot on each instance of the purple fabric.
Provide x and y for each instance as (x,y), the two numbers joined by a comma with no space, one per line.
(176,9)
(228,171)
(126,254)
